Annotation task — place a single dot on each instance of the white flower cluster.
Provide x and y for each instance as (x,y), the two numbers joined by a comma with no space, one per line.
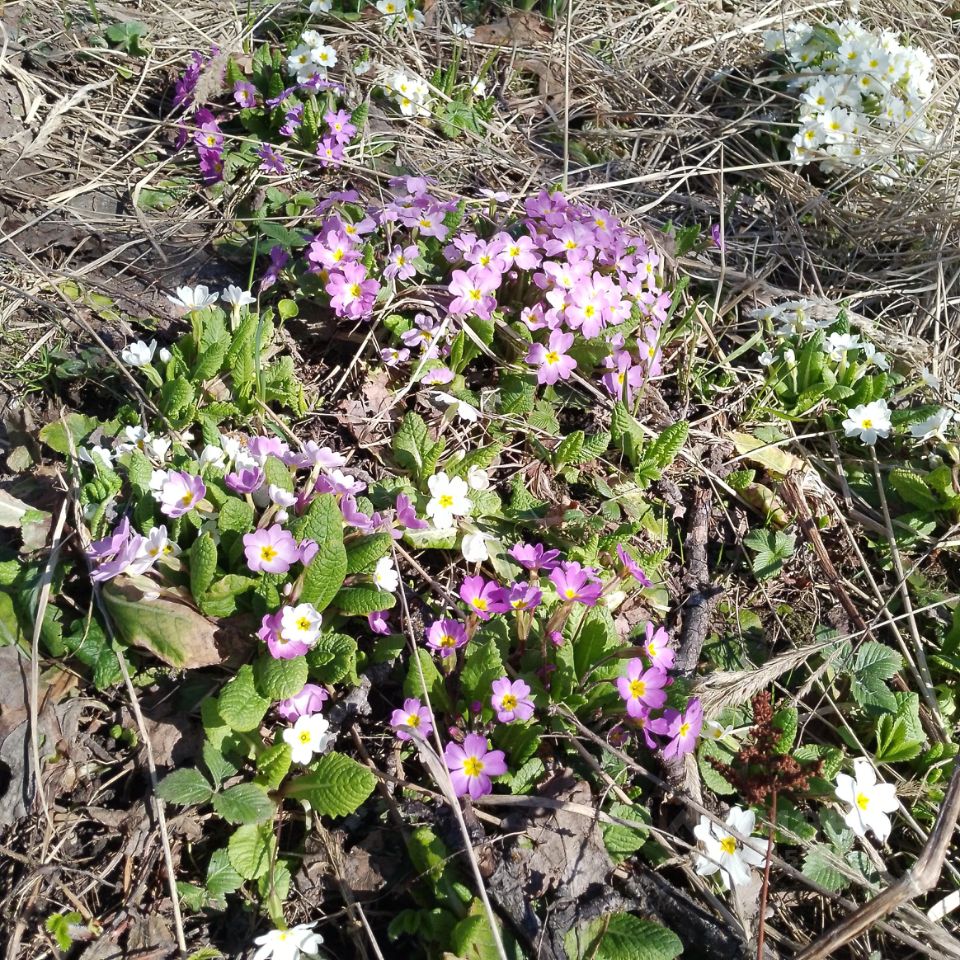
(856,84)
(411,93)
(311,58)
(396,11)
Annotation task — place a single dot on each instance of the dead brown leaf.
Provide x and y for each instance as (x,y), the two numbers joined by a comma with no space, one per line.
(365,416)
(521,29)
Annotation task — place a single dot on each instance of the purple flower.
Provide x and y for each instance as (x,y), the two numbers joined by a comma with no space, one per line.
(400,262)
(413,716)
(351,515)
(128,552)
(717,237)
(552,361)
(272,160)
(632,567)
(245,94)
(329,153)
(511,700)
(576,583)
(271,634)
(308,701)
(482,597)
(109,546)
(473,291)
(446,636)
(278,260)
(657,647)
(624,377)
(184,87)
(351,292)
(271,550)
(472,765)
(642,690)
(534,556)
(211,165)
(180,493)
(379,621)
(407,515)
(245,480)
(308,550)
(438,376)
(262,447)
(314,455)
(682,729)
(519,596)
(341,129)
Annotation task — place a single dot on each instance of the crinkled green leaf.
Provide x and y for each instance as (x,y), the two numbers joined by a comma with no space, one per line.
(337,787)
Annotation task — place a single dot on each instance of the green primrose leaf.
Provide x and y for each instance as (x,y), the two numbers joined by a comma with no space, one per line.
(336,788)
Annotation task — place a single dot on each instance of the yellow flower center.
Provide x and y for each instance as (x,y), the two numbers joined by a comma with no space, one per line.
(480,604)
(304,737)
(425,223)
(413,720)
(589,310)
(509,702)
(267,553)
(473,766)
(867,423)
(728,845)
(445,501)
(303,624)
(637,688)
(684,729)
(447,641)
(514,251)
(476,295)
(863,801)
(552,357)
(187,499)
(569,593)
(651,649)
(354,289)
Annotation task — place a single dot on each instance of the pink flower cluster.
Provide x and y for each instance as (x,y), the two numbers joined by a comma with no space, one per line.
(643,691)
(573,271)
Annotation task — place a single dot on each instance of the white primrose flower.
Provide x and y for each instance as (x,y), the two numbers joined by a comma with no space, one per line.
(414,18)
(712,730)
(238,298)
(138,354)
(870,801)
(874,356)
(448,499)
(934,427)
(478,478)
(301,622)
(868,421)
(464,411)
(930,379)
(385,575)
(474,547)
(478,87)
(289,944)
(322,55)
(300,59)
(460,29)
(766,358)
(391,9)
(156,545)
(87,454)
(157,479)
(281,497)
(164,355)
(724,852)
(193,298)
(309,735)
(362,66)
(293,943)
(321,6)
(838,345)
(211,456)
